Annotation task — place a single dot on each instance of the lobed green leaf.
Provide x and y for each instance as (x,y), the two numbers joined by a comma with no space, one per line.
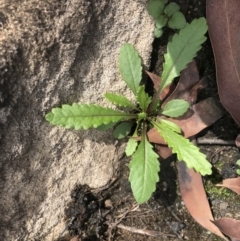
(119,100)
(185,150)
(175,108)
(85,116)
(169,124)
(122,130)
(182,49)
(131,146)
(144,168)
(143,98)
(130,66)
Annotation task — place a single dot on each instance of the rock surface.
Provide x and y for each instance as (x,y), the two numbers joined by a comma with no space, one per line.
(55,52)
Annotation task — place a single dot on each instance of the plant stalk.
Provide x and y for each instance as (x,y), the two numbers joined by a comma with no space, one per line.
(154,101)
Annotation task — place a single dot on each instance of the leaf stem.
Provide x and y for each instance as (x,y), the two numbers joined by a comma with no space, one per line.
(144,131)
(154,101)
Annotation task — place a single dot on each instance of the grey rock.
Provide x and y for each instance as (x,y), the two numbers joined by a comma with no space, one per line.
(51,53)
(223,205)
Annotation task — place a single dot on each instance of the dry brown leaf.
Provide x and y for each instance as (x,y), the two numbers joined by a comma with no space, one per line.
(195,199)
(230,227)
(156,81)
(223,20)
(188,85)
(237,141)
(163,150)
(232,184)
(205,114)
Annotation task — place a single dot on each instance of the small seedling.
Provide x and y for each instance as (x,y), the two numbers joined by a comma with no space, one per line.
(145,113)
(165,15)
(238,164)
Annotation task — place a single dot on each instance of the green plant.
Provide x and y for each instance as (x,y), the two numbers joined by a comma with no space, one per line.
(238,164)
(146,113)
(165,15)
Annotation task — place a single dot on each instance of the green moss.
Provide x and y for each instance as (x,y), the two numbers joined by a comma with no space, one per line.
(218,192)
(219,165)
(221,193)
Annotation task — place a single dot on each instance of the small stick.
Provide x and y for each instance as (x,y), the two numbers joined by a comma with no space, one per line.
(212,141)
(151,233)
(119,219)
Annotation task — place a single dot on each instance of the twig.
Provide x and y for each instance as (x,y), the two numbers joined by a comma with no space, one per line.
(123,215)
(173,214)
(212,141)
(151,233)
(119,219)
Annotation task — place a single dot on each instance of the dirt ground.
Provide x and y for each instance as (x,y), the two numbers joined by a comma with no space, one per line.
(112,214)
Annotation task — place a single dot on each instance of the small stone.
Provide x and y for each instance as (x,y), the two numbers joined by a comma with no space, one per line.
(215,202)
(228,215)
(164,186)
(108,203)
(223,205)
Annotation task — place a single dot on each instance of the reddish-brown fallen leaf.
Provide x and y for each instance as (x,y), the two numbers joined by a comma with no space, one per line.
(163,150)
(237,141)
(230,227)
(188,85)
(205,114)
(154,137)
(223,20)
(156,82)
(195,199)
(232,184)
(155,79)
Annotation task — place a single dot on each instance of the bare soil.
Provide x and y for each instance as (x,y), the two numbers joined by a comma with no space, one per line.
(112,213)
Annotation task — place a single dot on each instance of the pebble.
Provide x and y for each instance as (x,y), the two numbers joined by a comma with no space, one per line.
(108,203)
(228,215)
(223,205)
(215,202)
